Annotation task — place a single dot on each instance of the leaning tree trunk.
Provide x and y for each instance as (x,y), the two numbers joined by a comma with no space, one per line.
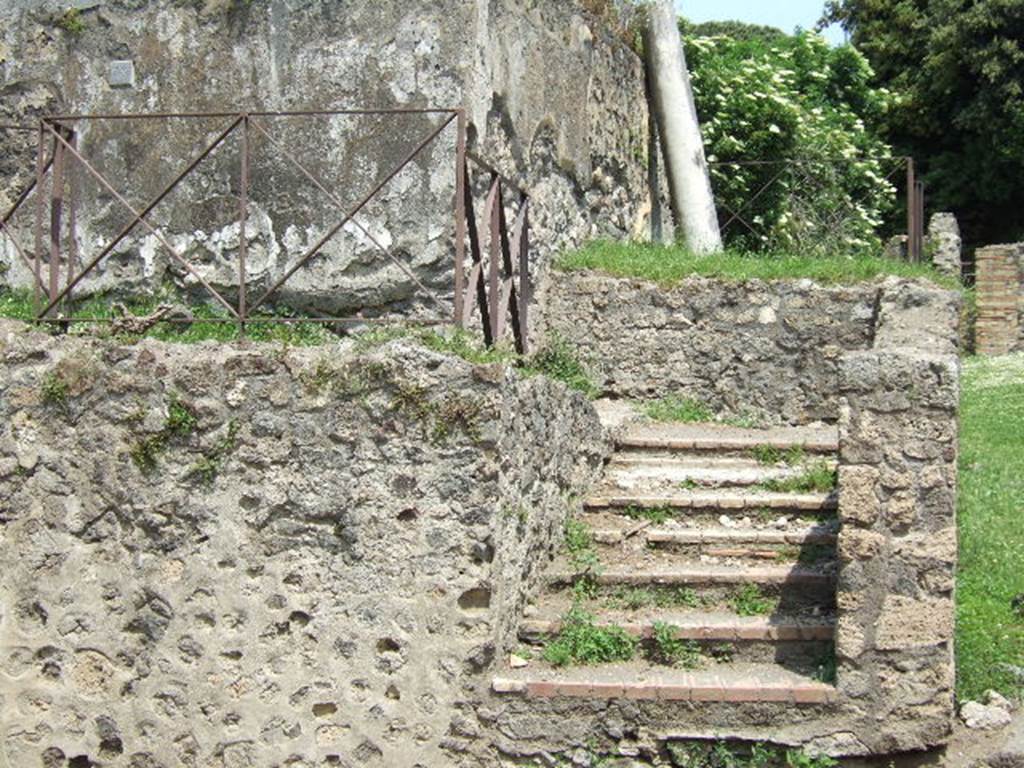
(693,206)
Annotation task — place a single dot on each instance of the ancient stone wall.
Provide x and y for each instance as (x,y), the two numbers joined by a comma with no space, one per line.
(553,102)
(898,545)
(765,349)
(242,555)
(999,287)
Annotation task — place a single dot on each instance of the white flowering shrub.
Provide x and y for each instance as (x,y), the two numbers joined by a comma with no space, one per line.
(793,166)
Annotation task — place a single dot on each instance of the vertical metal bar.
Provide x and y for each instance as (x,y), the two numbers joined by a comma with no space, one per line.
(56,217)
(72,215)
(525,284)
(243,217)
(911,210)
(476,279)
(511,293)
(460,219)
(919,218)
(37,259)
(495,256)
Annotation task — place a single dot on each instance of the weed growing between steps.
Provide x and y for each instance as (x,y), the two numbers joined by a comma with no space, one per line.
(825,665)
(818,478)
(669,649)
(638,598)
(677,409)
(656,515)
(720,754)
(581,641)
(751,601)
(769,454)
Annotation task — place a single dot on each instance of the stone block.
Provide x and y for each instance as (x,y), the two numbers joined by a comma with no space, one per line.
(858,497)
(905,623)
(121,74)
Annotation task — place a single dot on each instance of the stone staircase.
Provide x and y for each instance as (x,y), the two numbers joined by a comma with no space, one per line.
(716,542)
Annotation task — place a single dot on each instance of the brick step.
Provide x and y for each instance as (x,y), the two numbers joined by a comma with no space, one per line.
(628,471)
(798,643)
(697,574)
(618,529)
(793,586)
(695,625)
(738,683)
(728,500)
(722,439)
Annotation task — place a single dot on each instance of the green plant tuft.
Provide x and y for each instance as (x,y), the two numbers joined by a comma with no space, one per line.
(581,641)
(71,21)
(656,515)
(819,477)
(751,601)
(559,361)
(674,408)
(669,649)
(181,419)
(54,390)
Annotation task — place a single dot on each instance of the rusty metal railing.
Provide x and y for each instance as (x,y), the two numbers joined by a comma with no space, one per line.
(498,286)
(798,180)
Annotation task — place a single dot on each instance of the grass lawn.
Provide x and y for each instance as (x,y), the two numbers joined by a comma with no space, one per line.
(667,265)
(990,634)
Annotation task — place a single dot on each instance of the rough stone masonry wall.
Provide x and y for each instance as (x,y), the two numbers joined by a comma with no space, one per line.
(552,101)
(319,570)
(898,542)
(766,349)
(999,287)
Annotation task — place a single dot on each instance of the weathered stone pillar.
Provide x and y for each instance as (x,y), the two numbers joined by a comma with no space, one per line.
(945,244)
(897,506)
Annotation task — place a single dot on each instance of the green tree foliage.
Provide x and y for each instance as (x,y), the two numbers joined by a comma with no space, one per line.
(956,68)
(764,97)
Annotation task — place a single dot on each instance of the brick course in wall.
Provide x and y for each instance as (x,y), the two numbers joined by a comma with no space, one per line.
(999,282)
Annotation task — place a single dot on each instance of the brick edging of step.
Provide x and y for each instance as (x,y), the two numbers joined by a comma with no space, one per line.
(633,442)
(763,630)
(683,689)
(719,501)
(708,575)
(717,536)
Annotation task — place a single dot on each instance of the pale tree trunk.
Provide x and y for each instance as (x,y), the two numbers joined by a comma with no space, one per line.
(693,206)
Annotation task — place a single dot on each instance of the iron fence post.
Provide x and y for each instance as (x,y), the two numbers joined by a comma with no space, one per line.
(37,257)
(56,216)
(911,212)
(243,217)
(72,214)
(460,219)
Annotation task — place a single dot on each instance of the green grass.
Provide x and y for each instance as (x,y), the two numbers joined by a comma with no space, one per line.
(817,478)
(668,265)
(769,454)
(731,754)
(668,649)
(638,598)
(750,601)
(210,321)
(678,409)
(989,633)
(559,360)
(581,641)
